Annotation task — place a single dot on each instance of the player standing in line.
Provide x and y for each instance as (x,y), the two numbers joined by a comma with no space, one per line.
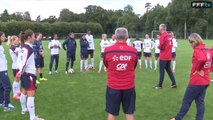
(147,46)
(157,51)
(5,85)
(15,49)
(54,46)
(91,48)
(113,40)
(128,41)
(39,56)
(71,45)
(174,46)
(84,53)
(27,73)
(138,44)
(104,43)
(199,78)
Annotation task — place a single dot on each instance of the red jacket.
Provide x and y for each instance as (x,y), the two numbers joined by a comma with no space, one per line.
(165,46)
(121,60)
(201,60)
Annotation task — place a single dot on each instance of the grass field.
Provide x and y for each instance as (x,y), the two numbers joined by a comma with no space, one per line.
(81,96)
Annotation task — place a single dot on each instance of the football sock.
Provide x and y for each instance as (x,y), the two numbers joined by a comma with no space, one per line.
(92,62)
(173,65)
(81,64)
(23,99)
(31,107)
(146,63)
(41,75)
(15,88)
(100,65)
(86,64)
(67,65)
(156,63)
(72,64)
(150,62)
(139,61)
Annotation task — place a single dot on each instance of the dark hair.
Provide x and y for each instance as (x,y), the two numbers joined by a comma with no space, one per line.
(137,37)
(1,33)
(24,35)
(37,34)
(54,35)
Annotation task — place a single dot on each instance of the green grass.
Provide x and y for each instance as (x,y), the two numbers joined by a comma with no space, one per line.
(81,96)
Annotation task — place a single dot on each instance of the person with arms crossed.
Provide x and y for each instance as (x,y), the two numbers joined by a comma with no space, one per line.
(70,46)
(138,44)
(165,56)
(121,61)
(199,78)
(39,56)
(104,43)
(54,46)
(174,47)
(15,49)
(5,85)
(84,53)
(157,51)
(147,46)
(91,48)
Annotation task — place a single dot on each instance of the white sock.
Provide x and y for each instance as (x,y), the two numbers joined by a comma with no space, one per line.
(173,65)
(92,62)
(105,68)
(86,64)
(146,63)
(31,107)
(139,62)
(19,86)
(23,100)
(156,63)
(15,88)
(100,65)
(81,64)
(150,62)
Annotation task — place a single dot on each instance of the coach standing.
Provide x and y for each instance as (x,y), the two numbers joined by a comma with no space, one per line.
(165,56)
(120,60)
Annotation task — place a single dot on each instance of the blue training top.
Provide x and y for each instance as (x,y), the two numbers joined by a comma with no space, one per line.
(37,46)
(70,45)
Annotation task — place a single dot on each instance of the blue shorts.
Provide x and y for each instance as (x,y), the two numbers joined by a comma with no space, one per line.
(102,55)
(70,56)
(39,62)
(28,81)
(145,54)
(115,97)
(91,53)
(84,55)
(139,55)
(157,54)
(15,71)
(174,55)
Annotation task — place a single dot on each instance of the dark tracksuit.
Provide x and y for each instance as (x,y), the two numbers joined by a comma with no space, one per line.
(84,48)
(70,46)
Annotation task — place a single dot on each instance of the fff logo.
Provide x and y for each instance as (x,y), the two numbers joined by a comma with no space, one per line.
(201,4)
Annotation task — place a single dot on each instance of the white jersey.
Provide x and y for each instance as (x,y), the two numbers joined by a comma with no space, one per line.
(26,59)
(14,51)
(156,44)
(112,42)
(128,41)
(90,41)
(3,60)
(52,43)
(138,45)
(174,45)
(104,44)
(147,45)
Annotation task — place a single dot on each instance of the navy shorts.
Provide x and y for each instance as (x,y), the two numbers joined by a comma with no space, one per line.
(157,54)
(15,71)
(91,53)
(145,54)
(139,54)
(39,62)
(84,55)
(28,81)
(174,55)
(116,97)
(70,56)
(102,55)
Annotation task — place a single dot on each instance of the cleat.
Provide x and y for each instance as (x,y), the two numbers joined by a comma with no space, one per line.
(87,69)
(81,70)
(37,82)
(43,79)
(19,93)
(99,71)
(23,112)
(173,86)
(70,71)
(37,118)
(66,72)
(2,105)
(56,72)
(93,68)
(17,97)
(173,119)
(9,108)
(140,67)
(157,87)
(50,73)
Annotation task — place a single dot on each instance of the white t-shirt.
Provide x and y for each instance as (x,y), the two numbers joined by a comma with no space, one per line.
(147,45)
(112,42)
(104,44)
(138,45)
(54,51)
(174,45)
(128,41)
(14,56)
(90,41)
(3,60)
(156,44)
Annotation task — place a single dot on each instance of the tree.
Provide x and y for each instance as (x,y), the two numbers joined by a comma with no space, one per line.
(128,8)
(38,19)
(51,19)
(27,16)
(5,16)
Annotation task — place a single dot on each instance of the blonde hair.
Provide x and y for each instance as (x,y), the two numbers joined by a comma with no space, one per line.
(11,39)
(195,39)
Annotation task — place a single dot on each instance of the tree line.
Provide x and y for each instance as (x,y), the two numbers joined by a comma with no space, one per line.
(176,16)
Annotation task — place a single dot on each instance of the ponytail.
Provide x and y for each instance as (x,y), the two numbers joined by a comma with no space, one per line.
(22,37)
(9,40)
